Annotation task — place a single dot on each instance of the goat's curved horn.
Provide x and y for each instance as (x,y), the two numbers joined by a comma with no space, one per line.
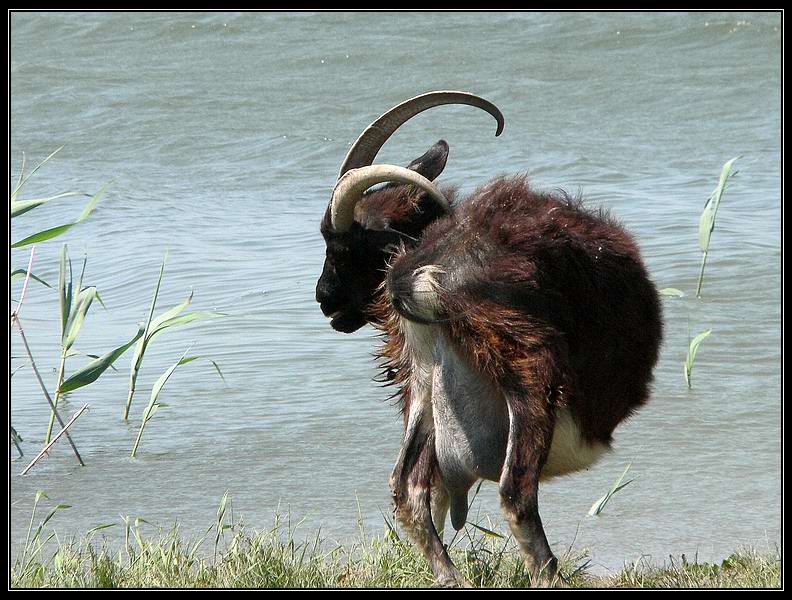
(350,187)
(365,148)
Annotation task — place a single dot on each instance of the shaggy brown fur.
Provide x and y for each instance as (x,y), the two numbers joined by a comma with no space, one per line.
(544,297)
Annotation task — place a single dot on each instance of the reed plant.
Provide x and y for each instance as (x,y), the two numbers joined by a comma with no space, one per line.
(154,326)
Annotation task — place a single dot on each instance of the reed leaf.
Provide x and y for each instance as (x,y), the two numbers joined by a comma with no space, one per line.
(20,207)
(22,273)
(53,232)
(23,178)
(43,236)
(76,352)
(673,292)
(171,313)
(77,316)
(19,179)
(99,298)
(15,439)
(82,273)
(153,405)
(707,218)
(214,364)
(64,290)
(91,372)
(693,347)
(600,504)
(184,320)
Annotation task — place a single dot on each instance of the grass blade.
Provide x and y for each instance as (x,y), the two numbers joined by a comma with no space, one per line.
(487,532)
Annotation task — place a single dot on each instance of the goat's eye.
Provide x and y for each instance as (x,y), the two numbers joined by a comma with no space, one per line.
(341,255)
(335,250)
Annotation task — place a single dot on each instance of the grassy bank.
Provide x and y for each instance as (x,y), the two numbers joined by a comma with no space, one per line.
(230,556)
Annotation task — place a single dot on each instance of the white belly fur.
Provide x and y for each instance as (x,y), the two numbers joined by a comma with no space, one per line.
(569,452)
(471,421)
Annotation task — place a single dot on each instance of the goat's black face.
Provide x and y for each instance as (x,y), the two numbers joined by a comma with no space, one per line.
(353,270)
(356,260)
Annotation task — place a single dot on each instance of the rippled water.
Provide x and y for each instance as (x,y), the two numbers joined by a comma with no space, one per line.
(223,134)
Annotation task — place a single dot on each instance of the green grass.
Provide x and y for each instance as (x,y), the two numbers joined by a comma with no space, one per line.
(231,556)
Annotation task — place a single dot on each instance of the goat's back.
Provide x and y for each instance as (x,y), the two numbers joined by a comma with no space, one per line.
(524,271)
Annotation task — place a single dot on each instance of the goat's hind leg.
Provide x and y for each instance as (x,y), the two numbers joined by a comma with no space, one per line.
(412,483)
(530,436)
(440,503)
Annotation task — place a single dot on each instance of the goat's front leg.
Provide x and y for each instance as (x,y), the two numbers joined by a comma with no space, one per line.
(529,442)
(411,483)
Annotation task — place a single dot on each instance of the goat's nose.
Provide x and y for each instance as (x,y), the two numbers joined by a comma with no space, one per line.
(321,293)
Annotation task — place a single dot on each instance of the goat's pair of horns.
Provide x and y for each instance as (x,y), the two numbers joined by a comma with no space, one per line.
(357,173)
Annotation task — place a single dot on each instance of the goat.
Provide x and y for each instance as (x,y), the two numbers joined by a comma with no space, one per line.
(522,328)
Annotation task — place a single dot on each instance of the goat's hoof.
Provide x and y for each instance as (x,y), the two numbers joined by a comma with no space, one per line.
(554,581)
(452,580)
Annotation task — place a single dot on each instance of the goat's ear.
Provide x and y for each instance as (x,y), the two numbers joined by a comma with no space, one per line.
(432,163)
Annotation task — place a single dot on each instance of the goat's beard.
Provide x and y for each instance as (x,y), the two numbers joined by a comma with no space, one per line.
(347,322)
